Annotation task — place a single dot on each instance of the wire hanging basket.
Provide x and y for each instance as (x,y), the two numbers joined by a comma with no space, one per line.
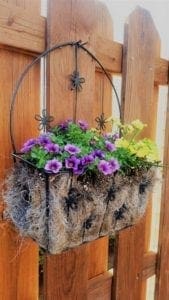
(63,210)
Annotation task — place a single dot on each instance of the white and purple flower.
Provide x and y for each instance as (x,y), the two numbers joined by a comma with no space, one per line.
(52,148)
(109,146)
(83,125)
(72,149)
(28,145)
(72,162)
(53,166)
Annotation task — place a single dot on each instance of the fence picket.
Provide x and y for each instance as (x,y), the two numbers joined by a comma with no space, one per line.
(18,256)
(141,50)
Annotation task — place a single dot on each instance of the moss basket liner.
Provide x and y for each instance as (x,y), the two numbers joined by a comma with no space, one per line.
(81,209)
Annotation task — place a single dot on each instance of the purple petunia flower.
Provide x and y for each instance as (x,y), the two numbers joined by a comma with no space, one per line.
(79,170)
(44,139)
(83,125)
(28,145)
(98,154)
(53,166)
(105,167)
(72,149)
(64,125)
(87,159)
(52,148)
(72,162)
(114,164)
(115,136)
(109,146)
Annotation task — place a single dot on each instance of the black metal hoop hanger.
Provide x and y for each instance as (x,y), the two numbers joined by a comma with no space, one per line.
(76,84)
(45,119)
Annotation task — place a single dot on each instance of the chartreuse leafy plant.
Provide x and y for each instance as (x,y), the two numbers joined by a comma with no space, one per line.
(72,146)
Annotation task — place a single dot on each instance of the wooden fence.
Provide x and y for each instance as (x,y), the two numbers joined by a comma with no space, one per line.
(81,273)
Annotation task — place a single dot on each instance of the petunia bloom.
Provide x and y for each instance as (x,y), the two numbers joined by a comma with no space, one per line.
(52,148)
(64,125)
(98,154)
(72,162)
(28,145)
(79,170)
(44,139)
(83,125)
(114,165)
(109,146)
(105,167)
(72,149)
(87,159)
(53,166)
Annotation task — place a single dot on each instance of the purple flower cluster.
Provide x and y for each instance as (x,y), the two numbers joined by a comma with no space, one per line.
(70,156)
(28,145)
(108,167)
(78,165)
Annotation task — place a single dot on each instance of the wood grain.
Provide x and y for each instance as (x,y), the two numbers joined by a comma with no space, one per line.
(21,28)
(110,54)
(141,50)
(149,265)
(162,282)
(100,287)
(19,277)
(68,275)
(18,257)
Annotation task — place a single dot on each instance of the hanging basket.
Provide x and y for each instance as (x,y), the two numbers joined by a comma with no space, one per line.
(94,191)
(80,209)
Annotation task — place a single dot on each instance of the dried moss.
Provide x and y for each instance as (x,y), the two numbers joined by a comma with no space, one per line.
(80,209)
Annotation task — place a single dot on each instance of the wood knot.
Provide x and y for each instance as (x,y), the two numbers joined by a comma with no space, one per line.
(10,21)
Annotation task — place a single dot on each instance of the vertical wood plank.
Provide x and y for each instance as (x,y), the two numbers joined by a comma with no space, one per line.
(16,254)
(98,257)
(162,281)
(69,21)
(18,257)
(68,275)
(74,20)
(141,49)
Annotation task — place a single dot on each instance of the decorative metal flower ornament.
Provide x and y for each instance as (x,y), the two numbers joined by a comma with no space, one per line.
(44,120)
(76,81)
(101,121)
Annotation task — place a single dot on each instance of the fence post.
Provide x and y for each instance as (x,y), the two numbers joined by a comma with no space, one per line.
(139,99)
